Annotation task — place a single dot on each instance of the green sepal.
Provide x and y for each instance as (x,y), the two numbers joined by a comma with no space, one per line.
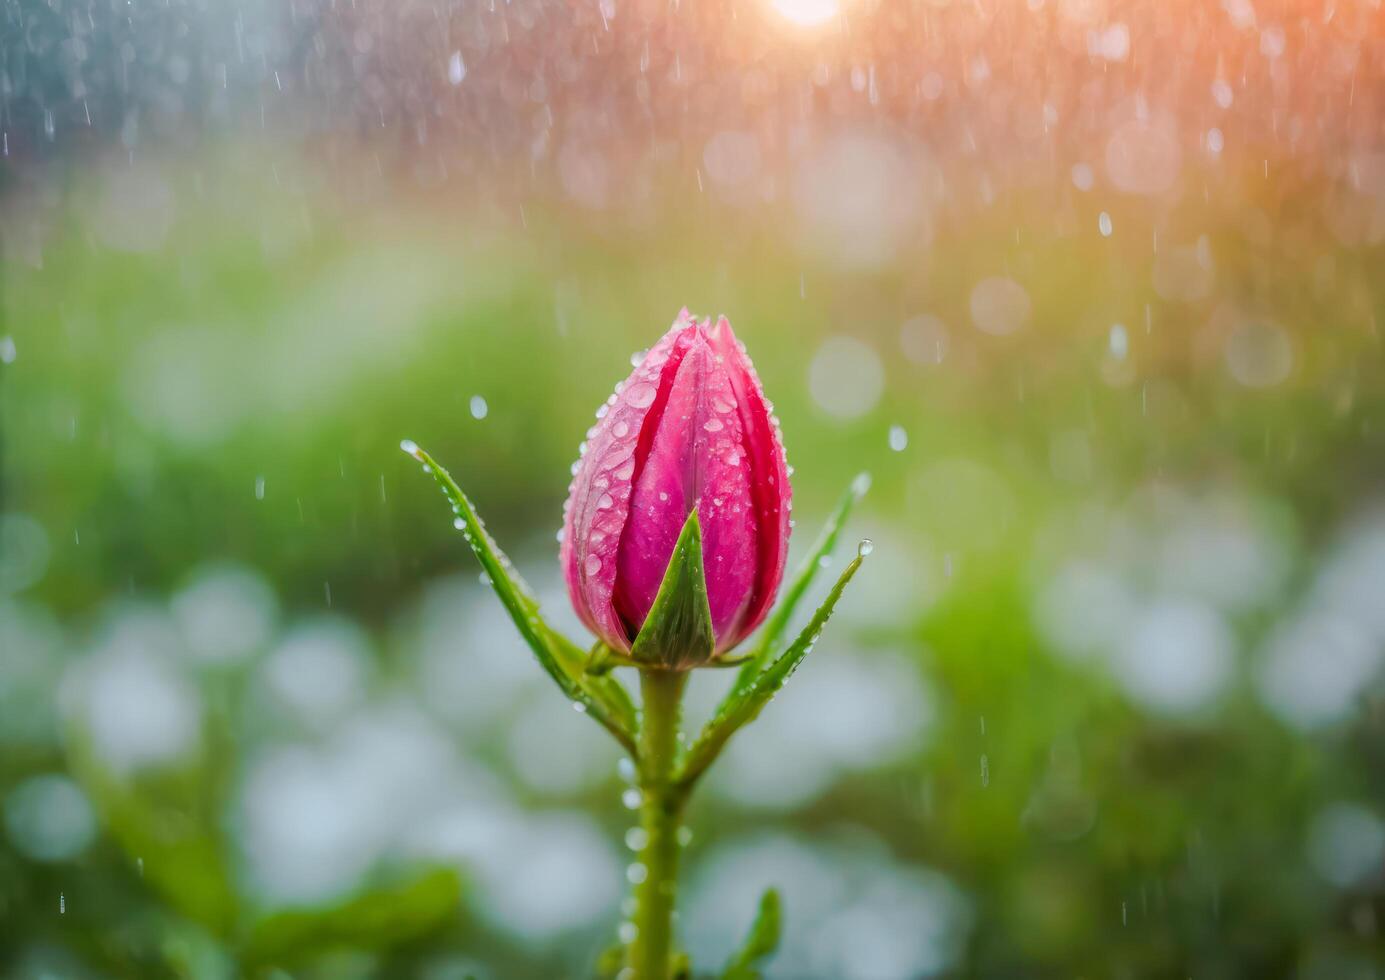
(760,943)
(743,706)
(677,633)
(601,696)
(763,648)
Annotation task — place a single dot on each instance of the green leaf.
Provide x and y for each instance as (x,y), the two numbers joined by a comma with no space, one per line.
(376,920)
(760,943)
(677,634)
(168,822)
(743,707)
(602,697)
(764,647)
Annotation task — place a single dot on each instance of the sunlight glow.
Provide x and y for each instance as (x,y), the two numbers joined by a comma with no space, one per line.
(808,13)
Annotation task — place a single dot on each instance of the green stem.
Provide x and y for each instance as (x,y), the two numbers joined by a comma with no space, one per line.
(661,813)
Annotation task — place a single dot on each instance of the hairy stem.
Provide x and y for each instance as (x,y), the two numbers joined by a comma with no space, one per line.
(661,813)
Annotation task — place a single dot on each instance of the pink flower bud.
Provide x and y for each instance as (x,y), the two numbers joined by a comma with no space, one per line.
(690,428)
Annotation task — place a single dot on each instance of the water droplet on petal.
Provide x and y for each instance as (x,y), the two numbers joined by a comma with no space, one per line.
(591,564)
(640,395)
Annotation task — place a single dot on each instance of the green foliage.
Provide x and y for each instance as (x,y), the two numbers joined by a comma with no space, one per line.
(760,942)
(600,695)
(743,705)
(381,918)
(764,648)
(677,634)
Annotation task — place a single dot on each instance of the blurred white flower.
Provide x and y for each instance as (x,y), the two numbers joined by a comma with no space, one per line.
(1178,658)
(48,818)
(850,911)
(312,821)
(536,876)
(1314,667)
(226,612)
(845,712)
(1346,843)
(1083,610)
(472,667)
(129,696)
(319,670)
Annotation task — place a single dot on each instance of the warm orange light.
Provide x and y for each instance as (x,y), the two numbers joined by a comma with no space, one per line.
(807,13)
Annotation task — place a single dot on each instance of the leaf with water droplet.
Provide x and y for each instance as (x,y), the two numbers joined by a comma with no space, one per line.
(677,633)
(764,647)
(742,705)
(760,943)
(603,697)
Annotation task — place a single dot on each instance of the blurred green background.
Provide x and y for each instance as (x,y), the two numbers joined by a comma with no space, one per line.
(1106,700)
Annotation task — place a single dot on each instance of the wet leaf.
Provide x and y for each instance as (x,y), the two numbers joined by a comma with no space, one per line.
(677,634)
(601,696)
(744,706)
(764,646)
(760,943)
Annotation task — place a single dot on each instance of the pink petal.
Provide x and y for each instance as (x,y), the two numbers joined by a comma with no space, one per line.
(599,498)
(770,489)
(694,458)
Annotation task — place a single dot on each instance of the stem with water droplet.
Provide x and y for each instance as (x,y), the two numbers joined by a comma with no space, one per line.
(661,813)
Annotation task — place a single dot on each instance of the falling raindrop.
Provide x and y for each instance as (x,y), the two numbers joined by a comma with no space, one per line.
(479,408)
(1103,223)
(1118,342)
(456,68)
(899,439)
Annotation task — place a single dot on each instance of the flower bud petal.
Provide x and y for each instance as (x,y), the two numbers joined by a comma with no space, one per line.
(690,429)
